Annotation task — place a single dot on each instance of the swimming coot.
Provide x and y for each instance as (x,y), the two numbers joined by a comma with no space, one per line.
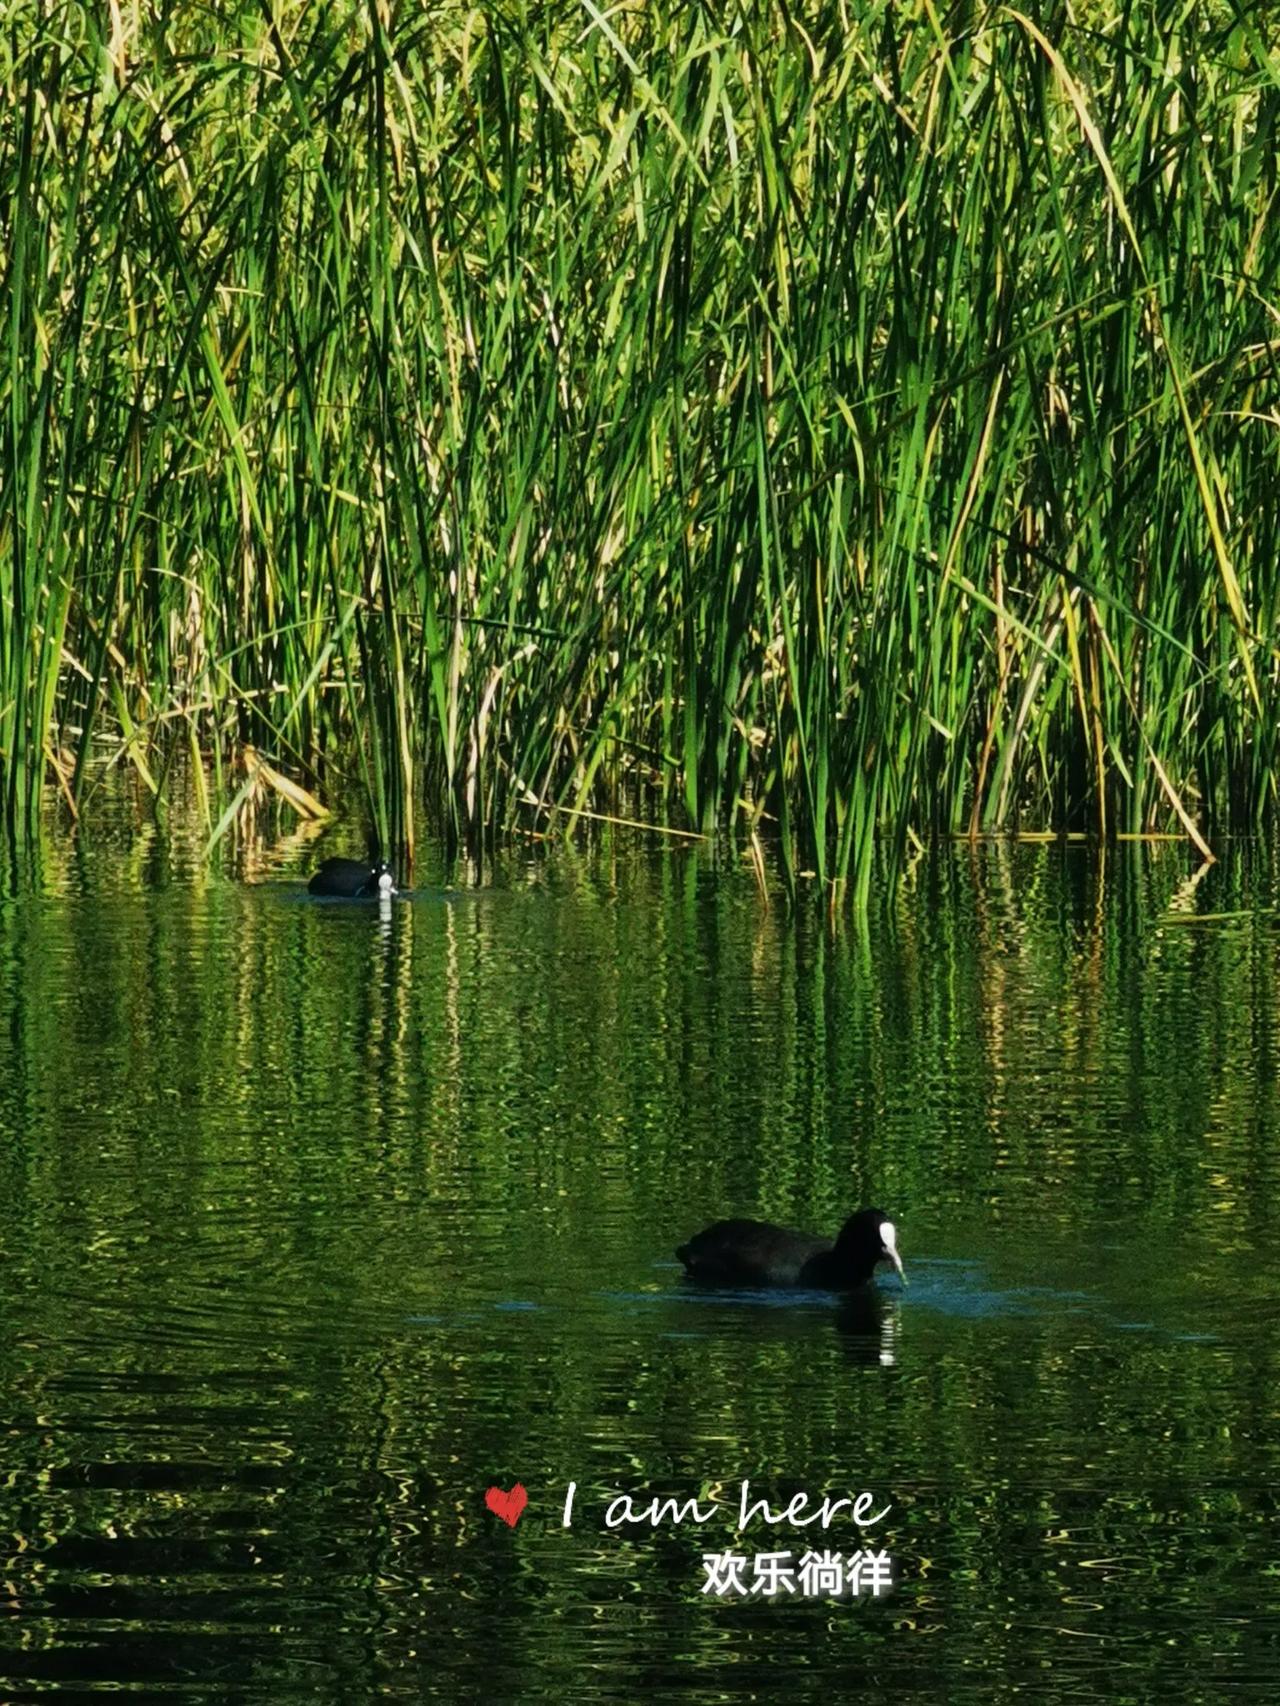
(353,879)
(755,1252)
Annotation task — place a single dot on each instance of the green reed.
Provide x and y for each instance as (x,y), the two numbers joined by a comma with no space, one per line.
(828,425)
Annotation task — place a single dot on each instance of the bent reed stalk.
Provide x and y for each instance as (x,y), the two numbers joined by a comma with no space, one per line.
(837,423)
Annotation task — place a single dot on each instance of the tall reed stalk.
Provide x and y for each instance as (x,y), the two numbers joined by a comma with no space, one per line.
(840,424)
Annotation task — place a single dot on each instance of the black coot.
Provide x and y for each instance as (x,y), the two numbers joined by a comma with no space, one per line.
(755,1252)
(353,879)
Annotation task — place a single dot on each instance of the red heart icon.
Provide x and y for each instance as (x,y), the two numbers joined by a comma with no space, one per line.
(507,1505)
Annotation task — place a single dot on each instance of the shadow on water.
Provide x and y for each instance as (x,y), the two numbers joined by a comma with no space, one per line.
(872,1317)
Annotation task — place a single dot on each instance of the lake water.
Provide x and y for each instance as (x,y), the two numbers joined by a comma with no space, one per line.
(318,1220)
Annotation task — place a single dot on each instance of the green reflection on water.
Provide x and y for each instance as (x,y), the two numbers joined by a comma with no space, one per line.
(318,1220)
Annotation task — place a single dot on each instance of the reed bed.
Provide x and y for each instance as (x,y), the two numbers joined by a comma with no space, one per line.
(822,424)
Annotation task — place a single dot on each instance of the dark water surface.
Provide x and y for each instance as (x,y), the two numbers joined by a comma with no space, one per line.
(318,1221)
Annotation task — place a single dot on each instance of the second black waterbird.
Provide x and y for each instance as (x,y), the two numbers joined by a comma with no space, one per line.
(758,1253)
(353,879)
